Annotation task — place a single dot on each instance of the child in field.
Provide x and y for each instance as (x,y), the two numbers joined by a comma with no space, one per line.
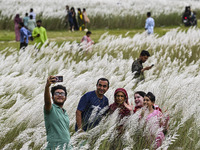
(86,42)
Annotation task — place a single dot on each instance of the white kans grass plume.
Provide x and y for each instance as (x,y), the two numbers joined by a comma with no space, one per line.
(56,8)
(174,80)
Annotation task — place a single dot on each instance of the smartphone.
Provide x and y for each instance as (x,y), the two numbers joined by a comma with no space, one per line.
(59,78)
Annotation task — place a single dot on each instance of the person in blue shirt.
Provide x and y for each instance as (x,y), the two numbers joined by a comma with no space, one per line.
(92,106)
(149,25)
(24,34)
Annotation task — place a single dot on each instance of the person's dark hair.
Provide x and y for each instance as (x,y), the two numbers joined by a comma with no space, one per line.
(21,24)
(79,9)
(26,14)
(88,32)
(54,88)
(39,21)
(144,53)
(148,14)
(31,10)
(73,9)
(31,16)
(84,9)
(103,79)
(141,93)
(151,97)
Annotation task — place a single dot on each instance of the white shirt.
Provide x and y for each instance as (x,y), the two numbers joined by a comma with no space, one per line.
(149,25)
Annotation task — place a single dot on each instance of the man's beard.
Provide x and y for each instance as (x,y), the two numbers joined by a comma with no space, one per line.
(58,103)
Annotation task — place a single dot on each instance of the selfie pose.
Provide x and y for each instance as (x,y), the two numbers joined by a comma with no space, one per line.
(55,116)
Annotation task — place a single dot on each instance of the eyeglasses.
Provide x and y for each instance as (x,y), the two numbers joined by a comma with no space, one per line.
(59,93)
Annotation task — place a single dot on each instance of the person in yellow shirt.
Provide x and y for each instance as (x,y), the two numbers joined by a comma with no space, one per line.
(39,34)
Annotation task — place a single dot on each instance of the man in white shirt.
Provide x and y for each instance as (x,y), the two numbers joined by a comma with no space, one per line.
(149,25)
(32,13)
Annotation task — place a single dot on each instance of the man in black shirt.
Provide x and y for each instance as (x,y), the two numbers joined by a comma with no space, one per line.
(137,66)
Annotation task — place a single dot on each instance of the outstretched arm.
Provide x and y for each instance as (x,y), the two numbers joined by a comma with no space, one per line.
(47,98)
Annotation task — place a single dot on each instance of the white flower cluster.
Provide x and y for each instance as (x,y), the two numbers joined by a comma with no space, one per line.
(174,79)
(56,8)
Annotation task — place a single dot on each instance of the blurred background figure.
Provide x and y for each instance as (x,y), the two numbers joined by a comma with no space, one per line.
(86,42)
(86,19)
(24,35)
(67,16)
(32,13)
(149,25)
(189,17)
(71,22)
(74,19)
(31,24)
(17,20)
(25,20)
(80,20)
(39,34)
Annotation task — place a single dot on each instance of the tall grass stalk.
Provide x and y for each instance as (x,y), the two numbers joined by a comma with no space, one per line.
(174,79)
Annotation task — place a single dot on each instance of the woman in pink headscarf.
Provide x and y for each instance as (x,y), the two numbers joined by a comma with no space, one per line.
(120,97)
(17,20)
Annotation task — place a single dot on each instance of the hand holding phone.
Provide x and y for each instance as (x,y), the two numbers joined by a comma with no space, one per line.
(59,78)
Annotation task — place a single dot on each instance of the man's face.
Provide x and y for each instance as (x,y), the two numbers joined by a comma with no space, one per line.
(102,87)
(38,24)
(143,58)
(59,97)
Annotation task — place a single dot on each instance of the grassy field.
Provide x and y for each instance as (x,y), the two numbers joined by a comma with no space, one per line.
(174,80)
(7,37)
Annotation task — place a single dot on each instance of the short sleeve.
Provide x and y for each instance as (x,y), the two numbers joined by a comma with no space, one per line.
(83,103)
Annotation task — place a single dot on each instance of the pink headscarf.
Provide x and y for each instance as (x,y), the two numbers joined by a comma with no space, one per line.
(123,110)
(17,19)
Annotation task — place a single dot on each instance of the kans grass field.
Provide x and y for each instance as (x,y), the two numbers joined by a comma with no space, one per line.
(118,32)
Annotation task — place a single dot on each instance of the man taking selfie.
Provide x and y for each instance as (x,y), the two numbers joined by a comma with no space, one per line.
(55,116)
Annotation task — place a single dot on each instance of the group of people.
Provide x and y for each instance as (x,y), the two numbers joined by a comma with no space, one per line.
(29,29)
(71,19)
(93,106)
(189,17)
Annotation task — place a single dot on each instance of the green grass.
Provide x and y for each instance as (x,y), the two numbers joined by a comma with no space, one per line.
(7,37)
(11,135)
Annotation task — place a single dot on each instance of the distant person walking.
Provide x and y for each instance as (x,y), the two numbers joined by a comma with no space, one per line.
(24,35)
(17,20)
(32,13)
(137,66)
(31,24)
(67,16)
(149,25)
(39,34)
(80,20)
(25,20)
(86,19)
(74,19)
